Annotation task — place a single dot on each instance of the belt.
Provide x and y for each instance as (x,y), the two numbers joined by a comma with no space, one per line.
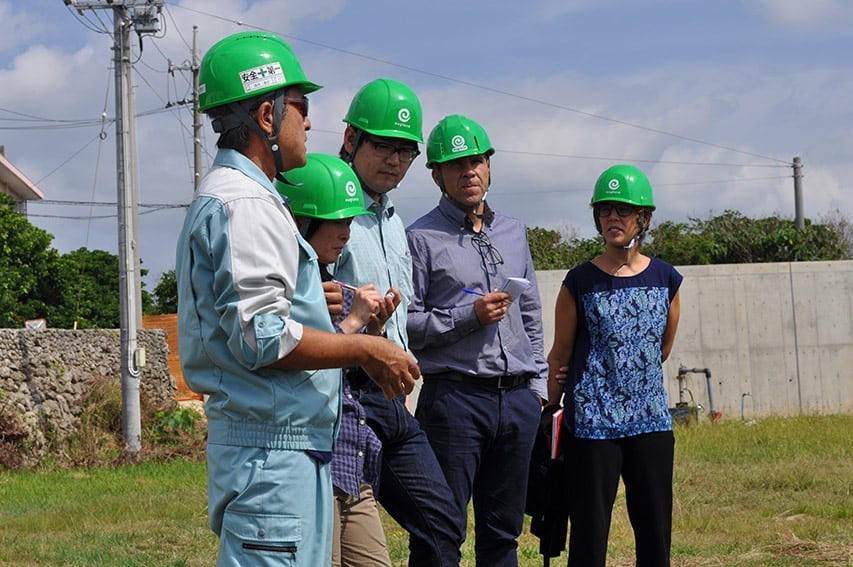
(505,382)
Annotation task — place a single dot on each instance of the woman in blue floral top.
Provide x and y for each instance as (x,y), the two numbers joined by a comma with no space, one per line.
(616,318)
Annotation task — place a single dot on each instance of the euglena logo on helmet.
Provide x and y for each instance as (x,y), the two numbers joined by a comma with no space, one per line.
(613,184)
(350,189)
(403,117)
(457,144)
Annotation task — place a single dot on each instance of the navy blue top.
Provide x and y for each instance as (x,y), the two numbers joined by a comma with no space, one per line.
(616,387)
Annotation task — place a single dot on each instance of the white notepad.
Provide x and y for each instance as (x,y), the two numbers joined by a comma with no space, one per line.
(514,286)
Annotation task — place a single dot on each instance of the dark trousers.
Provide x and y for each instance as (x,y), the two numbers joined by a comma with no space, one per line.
(594,466)
(412,487)
(483,437)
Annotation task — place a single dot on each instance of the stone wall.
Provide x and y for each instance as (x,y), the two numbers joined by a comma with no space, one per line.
(45,374)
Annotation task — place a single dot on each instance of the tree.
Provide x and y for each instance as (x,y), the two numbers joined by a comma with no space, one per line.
(560,250)
(842,227)
(92,291)
(166,294)
(548,249)
(28,274)
(79,289)
(584,250)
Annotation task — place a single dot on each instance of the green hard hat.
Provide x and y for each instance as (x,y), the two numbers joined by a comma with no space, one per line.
(456,136)
(324,188)
(624,184)
(388,108)
(245,65)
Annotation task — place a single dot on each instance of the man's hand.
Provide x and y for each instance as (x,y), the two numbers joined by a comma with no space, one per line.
(334,299)
(393,369)
(491,308)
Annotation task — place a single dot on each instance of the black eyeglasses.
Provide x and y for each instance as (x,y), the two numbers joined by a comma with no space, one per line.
(490,255)
(603,211)
(300,103)
(406,154)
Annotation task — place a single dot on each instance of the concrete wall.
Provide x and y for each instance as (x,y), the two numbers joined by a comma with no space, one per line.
(777,338)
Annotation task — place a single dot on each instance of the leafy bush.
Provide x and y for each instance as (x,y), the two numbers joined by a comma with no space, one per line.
(730,238)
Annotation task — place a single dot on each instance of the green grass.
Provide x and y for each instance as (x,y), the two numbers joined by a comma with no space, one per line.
(777,493)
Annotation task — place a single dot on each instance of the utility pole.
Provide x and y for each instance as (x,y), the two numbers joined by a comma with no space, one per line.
(197,124)
(143,16)
(798,193)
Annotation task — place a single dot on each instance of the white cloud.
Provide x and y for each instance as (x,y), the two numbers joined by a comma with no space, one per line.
(756,102)
(17,27)
(811,14)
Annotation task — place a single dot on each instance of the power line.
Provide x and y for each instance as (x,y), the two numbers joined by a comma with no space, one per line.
(635,160)
(61,124)
(91,217)
(109,204)
(492,89)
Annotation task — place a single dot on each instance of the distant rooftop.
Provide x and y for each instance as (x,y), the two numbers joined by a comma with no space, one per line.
(16,184)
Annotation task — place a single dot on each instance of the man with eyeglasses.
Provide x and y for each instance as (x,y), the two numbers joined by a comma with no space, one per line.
(480,350)
(255,336)
(384,127)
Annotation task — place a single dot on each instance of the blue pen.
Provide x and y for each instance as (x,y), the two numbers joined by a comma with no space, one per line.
(472,291)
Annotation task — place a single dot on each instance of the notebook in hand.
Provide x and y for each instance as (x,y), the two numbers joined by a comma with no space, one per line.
(514,286)
(556,427)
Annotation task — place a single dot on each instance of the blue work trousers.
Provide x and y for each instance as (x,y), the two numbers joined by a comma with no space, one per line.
(483,437)
(269,507)
(412,488)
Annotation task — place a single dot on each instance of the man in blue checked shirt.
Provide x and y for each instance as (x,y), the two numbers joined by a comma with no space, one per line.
(481,354)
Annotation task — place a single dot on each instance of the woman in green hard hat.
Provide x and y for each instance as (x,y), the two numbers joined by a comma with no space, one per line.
(615,323)
(325,196)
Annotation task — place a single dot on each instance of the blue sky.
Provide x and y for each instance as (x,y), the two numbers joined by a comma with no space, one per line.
(711,99)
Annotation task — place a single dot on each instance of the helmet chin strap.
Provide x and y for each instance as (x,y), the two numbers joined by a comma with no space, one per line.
(628,248)
(279,108)
(349,157)
(472,210)
(365,187)
(243,116)
(641,222)
(483,200)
